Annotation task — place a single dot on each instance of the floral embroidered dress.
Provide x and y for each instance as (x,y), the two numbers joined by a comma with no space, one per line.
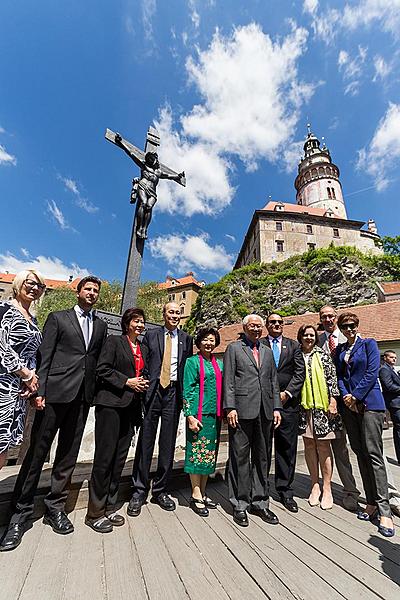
(201,447)
(19,341)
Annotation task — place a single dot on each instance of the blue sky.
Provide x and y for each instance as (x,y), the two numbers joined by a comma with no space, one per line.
(230,85)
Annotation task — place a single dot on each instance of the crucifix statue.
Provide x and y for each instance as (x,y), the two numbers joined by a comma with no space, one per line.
(144,194)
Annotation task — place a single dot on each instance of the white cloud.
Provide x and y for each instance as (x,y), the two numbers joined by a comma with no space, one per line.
(6,158)
(57,214)
(2,130)
(230,237)
(251,99)
(251,92)
(149,8)
(50,267)
(292,154)
(382,68)
(352,69)
(194,14)
(208,189)
(382,156)
(310,6)
(191,251)
(72,186)
(25,252)
(361,13)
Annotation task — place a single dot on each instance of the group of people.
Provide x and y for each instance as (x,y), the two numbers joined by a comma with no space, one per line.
(321,385)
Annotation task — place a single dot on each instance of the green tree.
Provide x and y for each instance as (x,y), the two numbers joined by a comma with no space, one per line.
(390,245)
(151,298)
(58,299)
(110,297)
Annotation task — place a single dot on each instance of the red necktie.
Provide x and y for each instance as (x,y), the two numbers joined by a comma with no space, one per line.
(332,345)
(256,354)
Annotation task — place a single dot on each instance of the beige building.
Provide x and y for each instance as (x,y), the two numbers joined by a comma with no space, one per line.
(183,291)
(319,218)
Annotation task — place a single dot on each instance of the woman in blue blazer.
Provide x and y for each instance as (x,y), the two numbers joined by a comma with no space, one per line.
(357,363)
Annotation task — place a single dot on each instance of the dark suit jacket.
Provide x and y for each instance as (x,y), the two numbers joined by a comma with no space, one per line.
(63,361)
(153,346)
(248,387)
(291,371)
(390,381)
(359,376)
(116,364)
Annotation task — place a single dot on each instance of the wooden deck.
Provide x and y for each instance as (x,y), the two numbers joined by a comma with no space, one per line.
(312,554)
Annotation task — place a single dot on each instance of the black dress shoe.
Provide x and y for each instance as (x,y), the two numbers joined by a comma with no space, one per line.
(134,507)
(265,514)
(209,503)
(100,525)
(164,501)
(198,506)
(240,518)
(12,537)
(59,522)
(116,519)
(290,504)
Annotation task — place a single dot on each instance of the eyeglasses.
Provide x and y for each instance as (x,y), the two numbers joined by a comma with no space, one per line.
(275,322)
(32,284)
(325,317)
(254,326)
(350,326)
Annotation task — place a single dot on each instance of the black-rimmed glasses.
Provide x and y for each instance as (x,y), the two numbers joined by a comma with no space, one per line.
(32,284)
(351,326)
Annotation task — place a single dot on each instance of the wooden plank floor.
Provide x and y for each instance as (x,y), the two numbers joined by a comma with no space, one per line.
(161,555)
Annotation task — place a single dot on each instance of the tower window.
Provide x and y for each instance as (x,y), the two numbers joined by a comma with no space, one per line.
(279,246)
(333,193)
(171,297)
(309,228)
(335,232)
(311,246)
(329,193)
(183,295)
(279,226)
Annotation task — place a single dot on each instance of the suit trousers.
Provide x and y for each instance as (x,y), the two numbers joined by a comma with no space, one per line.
(343,465)
(395,416)
(365,436)
(163,406)
(286,438)
(69,420)
(250,450)
(113,434)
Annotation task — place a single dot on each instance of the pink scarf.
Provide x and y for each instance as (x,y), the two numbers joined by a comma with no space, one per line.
(218,379)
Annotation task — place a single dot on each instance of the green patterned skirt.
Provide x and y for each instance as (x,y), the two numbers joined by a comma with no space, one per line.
(202,447)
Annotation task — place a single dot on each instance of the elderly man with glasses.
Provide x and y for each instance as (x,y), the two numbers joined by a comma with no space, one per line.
(252,404)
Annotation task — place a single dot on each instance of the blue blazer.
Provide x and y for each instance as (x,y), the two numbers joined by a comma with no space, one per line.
(359,377)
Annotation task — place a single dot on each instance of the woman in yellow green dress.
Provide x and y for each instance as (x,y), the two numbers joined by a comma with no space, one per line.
(202,405)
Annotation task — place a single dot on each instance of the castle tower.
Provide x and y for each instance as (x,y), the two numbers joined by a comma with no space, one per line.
(317,183)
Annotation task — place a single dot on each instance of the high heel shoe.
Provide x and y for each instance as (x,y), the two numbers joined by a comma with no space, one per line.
(202,511)
(326,505)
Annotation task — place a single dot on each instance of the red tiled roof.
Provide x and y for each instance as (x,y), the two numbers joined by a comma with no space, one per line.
(297,208)
(188,279)
(379,321)
(390,287)
(50,283)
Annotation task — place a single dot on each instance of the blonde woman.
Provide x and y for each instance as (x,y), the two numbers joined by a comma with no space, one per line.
(19,340)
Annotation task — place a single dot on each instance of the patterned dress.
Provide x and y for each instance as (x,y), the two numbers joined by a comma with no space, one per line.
(201,447)
(306,416)
(19,341)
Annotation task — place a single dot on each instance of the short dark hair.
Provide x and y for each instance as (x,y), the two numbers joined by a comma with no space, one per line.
(347,316)
(204,332)
(88,279)
(387,352)
(127,317)
(274,312)
(302,330)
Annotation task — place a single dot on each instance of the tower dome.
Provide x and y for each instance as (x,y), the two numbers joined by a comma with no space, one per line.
(317,183)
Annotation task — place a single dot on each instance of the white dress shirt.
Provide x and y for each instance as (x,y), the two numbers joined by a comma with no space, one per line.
(174,352)
(279,342)
(82,320)
(335,336)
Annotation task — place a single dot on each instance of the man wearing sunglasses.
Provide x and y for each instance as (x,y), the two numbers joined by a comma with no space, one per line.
(291,375)
(328,341)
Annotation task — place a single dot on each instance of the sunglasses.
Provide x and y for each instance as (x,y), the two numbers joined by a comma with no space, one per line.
(32,284)
(275,322)
(350,326)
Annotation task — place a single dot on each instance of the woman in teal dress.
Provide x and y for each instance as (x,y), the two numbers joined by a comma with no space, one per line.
(202,405)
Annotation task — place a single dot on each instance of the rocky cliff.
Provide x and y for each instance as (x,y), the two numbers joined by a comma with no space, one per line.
(341,276)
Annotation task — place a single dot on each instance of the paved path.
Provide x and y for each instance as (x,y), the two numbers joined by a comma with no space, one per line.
(161,555)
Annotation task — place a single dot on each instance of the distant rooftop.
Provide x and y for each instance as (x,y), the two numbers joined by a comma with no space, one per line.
(50,283)
(296,208)
(188,279)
